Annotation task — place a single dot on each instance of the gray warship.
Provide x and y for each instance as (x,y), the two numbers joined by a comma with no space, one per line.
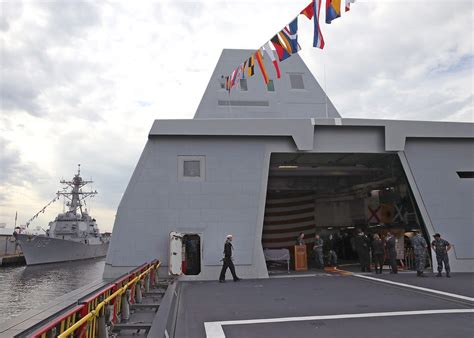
(73,235)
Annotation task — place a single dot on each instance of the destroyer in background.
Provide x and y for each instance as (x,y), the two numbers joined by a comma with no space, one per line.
(73,235)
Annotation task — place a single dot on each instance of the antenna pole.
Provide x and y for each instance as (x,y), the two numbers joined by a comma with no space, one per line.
(230,105)
(325,88)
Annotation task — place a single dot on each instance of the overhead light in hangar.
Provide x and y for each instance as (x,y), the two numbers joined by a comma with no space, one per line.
(287,167)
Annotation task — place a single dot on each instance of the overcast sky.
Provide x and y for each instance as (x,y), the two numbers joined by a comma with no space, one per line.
(82,81)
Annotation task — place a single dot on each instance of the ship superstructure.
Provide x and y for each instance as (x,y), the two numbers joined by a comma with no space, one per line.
(268,161)
(73,235)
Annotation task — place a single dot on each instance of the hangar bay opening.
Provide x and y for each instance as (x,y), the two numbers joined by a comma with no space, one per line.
(334,194)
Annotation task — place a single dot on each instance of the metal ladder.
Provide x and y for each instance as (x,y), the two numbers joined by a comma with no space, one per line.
(142,312)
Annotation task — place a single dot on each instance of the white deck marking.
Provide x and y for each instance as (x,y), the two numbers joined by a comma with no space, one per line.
(214,329)
(452,295)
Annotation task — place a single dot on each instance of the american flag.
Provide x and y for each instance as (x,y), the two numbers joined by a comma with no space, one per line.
(285,218)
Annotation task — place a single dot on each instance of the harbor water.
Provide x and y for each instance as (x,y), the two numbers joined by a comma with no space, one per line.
(23,288)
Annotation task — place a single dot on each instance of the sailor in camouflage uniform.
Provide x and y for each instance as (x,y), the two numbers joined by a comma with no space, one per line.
(419,247)
(318,251)
(441,247)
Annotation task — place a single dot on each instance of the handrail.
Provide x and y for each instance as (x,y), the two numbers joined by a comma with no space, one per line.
(96,311)
(102,290)
(52,324)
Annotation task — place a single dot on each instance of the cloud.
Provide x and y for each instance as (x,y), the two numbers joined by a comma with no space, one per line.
(11,11)
(14,171)
(420,70)
(110,165)
(42,53)
(70,19)
(17,93)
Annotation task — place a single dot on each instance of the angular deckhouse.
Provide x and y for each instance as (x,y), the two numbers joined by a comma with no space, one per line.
(268,162)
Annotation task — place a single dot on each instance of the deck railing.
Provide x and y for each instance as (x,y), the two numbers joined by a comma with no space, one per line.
(86,319)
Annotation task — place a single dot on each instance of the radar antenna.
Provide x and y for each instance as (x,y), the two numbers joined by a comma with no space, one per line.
(75,197)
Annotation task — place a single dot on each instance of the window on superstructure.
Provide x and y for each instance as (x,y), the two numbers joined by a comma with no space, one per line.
(270,86)
(222,82)
(296,81)
(243,85)
(191,168)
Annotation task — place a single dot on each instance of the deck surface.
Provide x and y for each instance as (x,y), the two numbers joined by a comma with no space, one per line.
(305,306)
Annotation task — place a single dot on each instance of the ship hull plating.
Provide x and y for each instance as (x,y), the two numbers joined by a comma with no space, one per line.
(43,250)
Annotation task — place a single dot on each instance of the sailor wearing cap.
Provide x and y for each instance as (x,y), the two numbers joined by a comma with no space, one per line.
(441,248)
(227,260)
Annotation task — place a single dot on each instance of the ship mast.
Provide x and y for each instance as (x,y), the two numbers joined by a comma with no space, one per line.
(76,195)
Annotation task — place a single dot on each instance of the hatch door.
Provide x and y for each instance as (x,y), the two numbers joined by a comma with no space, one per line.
(176,254)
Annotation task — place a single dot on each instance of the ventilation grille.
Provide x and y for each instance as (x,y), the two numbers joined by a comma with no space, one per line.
(239,103)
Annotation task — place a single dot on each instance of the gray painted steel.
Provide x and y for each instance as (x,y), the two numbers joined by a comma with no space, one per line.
(257,101)
(324,295)
(164,322)
(42,249)
(237,152)
(448,199)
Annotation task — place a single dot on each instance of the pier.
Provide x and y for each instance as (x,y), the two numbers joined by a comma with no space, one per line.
(17,259)
(10,252)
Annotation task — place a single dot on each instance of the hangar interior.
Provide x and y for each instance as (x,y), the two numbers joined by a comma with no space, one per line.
(335,194)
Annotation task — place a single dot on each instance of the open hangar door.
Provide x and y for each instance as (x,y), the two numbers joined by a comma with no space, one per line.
(335,194)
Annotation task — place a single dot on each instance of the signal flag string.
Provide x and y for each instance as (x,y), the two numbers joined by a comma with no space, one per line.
(285,42)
